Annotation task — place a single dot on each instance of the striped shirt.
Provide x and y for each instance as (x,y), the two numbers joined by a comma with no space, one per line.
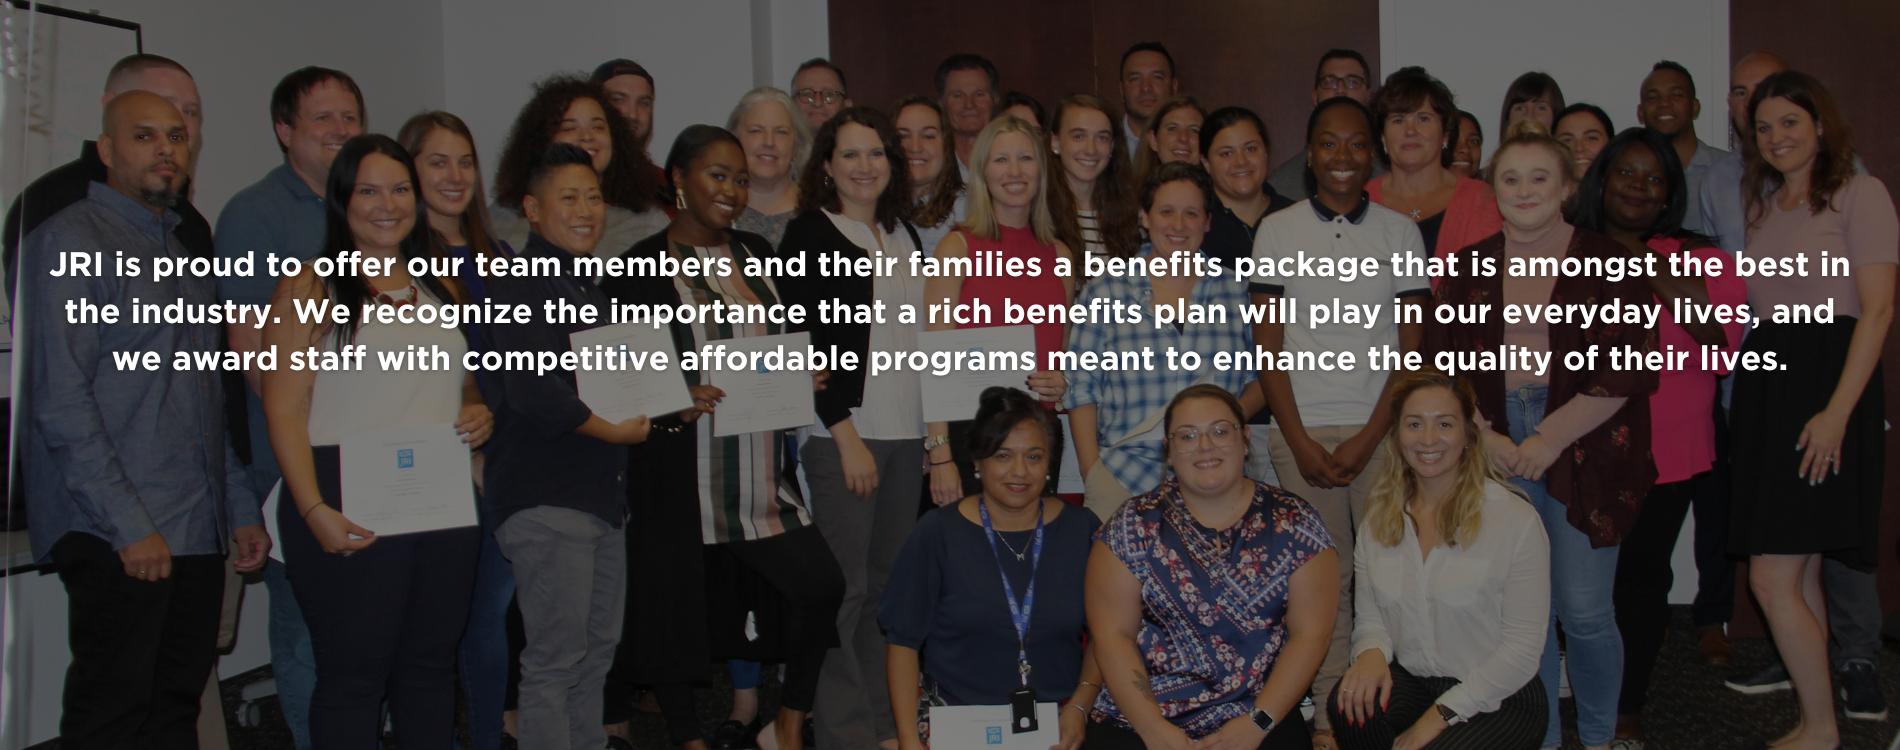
(1124,398)
(743,491)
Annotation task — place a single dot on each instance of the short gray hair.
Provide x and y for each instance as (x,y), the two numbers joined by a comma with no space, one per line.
(801,133)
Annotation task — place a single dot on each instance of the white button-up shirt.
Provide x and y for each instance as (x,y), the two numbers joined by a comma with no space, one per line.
(1476,612)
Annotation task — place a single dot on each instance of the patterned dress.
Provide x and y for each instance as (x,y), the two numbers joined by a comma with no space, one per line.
(1213,601)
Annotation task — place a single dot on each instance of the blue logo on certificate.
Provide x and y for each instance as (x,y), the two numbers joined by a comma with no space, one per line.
(405,458)
(992,735)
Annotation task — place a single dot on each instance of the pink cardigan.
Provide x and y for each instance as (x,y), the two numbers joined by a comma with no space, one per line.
(1471,216)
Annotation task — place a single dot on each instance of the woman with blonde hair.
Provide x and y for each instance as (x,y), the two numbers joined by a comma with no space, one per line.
(1009,221)
(776,141)
(1454,589)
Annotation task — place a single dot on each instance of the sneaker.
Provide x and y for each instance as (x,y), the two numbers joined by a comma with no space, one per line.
(1768,679)
(1859,688)
(1626,743)
(733,735)
(618,743)
(508,742)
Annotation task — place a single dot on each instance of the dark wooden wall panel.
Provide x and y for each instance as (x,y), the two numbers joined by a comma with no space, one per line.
(1255,54)
(1844,43)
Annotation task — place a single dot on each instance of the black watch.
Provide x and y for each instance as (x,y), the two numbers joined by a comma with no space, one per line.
(1450,716)
(1263,720)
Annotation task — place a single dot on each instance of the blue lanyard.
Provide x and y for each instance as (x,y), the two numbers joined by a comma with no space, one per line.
(1018,614)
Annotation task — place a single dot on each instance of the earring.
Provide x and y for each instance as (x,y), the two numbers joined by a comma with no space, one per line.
(827,180)
(680,199)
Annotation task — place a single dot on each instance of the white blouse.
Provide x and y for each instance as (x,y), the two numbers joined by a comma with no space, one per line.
(346,401)
(1476,612)
(893,400)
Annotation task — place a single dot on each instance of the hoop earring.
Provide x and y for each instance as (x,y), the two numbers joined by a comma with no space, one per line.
(679,199)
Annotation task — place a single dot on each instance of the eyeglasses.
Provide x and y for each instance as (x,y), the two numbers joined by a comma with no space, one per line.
(1221,433)
(1350,83)
(811,96)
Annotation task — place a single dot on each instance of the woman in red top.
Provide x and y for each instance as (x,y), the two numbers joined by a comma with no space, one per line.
(1636,193)
(1009,219)
(1419,132)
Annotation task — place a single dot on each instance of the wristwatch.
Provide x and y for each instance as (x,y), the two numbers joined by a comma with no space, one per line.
(931,443)
(1263,720)
(1450,716)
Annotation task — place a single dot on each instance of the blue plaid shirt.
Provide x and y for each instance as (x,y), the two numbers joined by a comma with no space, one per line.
(1123,398)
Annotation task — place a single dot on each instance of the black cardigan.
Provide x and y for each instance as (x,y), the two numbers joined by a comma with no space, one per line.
(811,234)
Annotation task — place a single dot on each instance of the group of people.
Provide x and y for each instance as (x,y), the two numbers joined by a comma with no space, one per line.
(1422,556)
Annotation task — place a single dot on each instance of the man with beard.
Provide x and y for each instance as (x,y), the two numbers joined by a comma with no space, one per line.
(133,488)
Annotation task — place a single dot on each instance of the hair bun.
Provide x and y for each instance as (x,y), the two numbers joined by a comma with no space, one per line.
(1528,127)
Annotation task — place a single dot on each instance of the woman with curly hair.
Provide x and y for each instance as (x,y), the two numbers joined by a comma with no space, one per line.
(568,108)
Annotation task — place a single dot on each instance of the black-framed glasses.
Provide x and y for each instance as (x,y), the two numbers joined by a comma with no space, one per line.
(1222,434)
(1350,83)
(812,96)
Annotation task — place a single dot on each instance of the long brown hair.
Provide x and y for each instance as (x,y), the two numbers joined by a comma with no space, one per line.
(630,180)
(477,230)
(1461,516)
(1834,155)
(936,209)
(1146,160)
(1117,213)
(817,190)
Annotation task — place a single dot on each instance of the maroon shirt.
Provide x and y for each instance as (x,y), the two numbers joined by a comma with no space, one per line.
(1604,476)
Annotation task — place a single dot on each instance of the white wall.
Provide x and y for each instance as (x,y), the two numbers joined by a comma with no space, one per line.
(1599,52)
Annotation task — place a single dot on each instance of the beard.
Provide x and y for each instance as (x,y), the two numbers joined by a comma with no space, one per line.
(166,197)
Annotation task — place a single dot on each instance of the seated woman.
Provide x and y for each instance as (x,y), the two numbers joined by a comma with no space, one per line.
(1211,599)
(943,590)
(1454,589)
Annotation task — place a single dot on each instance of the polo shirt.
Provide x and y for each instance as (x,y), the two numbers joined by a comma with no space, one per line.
(278,214)
(1330,398)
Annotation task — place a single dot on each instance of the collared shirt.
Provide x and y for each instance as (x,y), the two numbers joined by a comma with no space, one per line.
(1123,398)
(1132,136)
(536,458)
(1719,203)
(278,215)
(123,452)
(1338,398)
(1230,239)
(1693,173)
(67,184)
(1474,611)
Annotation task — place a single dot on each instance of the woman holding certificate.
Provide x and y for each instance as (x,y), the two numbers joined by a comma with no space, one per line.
(1009,221)
(949,632)
(1210,599)
(748,506)
(1115,411)
(385,614)
(865,451)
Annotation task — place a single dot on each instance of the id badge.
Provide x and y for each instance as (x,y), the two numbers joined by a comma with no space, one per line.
(1022,710)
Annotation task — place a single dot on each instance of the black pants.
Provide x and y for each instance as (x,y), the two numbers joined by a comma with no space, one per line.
(1518,724)
(1643,580)
(1289,734)
(385,623)
(142,651)
(800,567)
(1715,570)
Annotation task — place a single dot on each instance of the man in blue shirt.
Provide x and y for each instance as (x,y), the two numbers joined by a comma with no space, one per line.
(314,110)
(1669,106)
(131,484)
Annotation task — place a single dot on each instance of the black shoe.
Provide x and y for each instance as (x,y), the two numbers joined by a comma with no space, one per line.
(1859,686)
(732,735)
(508,742)
(1768,679)
(618,743)
(811,735)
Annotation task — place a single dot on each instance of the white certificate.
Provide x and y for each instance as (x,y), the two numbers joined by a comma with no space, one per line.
(620,395)
(955,396)
(407,479)
(759,398)
(988,728)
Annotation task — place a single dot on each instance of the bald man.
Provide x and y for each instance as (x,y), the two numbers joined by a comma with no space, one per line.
(66,184)
(132,486)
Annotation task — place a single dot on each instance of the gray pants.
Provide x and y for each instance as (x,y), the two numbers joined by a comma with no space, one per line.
(570,580)
(853,709)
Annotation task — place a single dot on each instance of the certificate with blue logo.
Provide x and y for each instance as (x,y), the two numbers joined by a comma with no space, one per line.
(987,728)
(764,390)
(407,479)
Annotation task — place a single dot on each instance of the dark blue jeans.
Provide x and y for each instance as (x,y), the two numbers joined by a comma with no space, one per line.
(292,665)
(484,655)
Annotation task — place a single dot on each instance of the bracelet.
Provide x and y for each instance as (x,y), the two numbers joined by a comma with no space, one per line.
(1078,707)
(1090,684)
(940,463)
(312,509)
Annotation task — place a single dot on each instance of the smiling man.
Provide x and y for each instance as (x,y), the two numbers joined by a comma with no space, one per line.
(314,111)
(134,491)
(1670,107)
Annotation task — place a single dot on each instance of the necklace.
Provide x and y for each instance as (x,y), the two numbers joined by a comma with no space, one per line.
(1012,550)
(1415,216)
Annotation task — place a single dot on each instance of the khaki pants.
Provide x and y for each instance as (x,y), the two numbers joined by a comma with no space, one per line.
(1102,493)
(1341,508)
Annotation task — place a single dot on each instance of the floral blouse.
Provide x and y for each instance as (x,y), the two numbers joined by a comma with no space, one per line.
(1603,477)
(1213,601)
